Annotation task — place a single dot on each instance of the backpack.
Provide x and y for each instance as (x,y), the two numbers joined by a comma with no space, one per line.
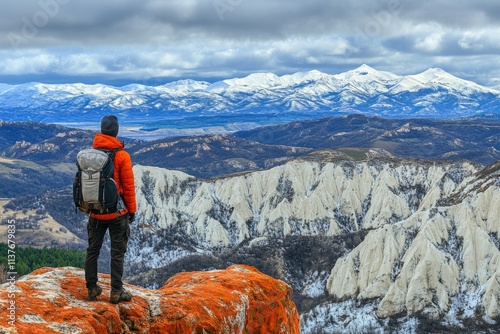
(94,189)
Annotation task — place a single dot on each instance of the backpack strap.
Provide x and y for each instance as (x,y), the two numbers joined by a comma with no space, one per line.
(110,153)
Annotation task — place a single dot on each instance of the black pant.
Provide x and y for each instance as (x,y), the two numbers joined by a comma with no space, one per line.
(119,232)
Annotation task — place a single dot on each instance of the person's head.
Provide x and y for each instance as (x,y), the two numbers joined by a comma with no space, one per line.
(109,125)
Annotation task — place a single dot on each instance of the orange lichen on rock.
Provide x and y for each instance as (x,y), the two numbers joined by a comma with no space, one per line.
(239,299)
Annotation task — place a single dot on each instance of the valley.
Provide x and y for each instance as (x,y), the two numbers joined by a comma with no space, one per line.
(371,236)
(392,244)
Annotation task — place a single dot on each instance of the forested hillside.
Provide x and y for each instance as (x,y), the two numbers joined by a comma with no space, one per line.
(28,259)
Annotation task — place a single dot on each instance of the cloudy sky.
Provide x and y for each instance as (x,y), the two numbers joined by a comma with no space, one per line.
(157,41)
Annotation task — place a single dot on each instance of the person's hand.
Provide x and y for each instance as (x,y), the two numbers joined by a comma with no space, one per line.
(131,218)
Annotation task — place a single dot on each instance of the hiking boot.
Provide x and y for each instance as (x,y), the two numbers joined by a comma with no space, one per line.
(120,296)
(94,292)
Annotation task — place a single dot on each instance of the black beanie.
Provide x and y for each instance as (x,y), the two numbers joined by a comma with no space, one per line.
(109,125)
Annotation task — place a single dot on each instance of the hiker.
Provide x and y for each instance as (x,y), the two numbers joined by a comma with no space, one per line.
(116,222)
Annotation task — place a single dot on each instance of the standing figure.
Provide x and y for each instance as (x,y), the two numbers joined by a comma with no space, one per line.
(118,223)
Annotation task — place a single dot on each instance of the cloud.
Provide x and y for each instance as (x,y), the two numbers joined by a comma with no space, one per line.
(432,41)
(218,38)
(481,40)
(93,22)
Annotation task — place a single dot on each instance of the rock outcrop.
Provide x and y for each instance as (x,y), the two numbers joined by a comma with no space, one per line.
(298,198)
(432,245)
(239,299)
(180,214)
(445,259)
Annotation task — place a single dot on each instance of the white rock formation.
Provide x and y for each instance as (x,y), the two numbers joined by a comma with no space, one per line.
(434,228)
(430,258)
(299,198)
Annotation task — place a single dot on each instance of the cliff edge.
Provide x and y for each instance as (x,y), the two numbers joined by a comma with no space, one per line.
(239,299)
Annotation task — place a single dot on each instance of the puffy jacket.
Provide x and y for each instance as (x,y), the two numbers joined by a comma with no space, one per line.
(123,174)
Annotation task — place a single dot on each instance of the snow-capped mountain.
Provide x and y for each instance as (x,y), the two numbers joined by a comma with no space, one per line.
(432,245)
(433,93)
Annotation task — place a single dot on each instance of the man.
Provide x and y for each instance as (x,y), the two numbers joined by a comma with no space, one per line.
(117,223)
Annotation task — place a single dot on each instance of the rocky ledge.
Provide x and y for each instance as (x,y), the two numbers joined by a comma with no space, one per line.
(239,299)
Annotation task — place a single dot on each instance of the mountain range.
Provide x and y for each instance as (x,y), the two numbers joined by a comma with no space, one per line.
(30,149)
(258,99)
(379,224)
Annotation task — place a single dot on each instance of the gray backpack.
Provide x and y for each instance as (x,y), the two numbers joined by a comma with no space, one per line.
(94,189)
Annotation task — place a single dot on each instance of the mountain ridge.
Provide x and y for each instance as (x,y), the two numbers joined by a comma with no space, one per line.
(432,93)
(208,156)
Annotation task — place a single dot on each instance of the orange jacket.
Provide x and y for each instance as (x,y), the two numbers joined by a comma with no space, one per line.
(123,174)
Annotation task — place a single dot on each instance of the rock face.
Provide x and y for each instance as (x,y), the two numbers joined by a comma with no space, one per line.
(441,263)
(299,198)
(239,299)
(440,259)
(432,245)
